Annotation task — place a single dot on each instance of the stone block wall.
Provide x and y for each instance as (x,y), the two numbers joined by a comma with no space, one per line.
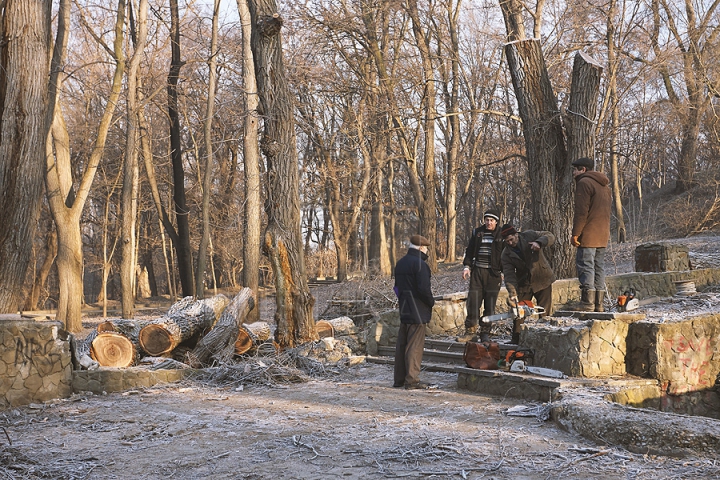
(107,380)
(35,362)
(661,257)
(682,355)
(594,348)
(448,318)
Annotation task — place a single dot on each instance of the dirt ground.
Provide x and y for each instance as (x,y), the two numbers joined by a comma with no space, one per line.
(351,424)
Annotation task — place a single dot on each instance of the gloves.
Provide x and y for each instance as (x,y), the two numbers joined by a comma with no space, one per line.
(574,240)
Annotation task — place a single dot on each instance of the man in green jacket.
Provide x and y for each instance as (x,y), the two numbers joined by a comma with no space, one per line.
(527,272)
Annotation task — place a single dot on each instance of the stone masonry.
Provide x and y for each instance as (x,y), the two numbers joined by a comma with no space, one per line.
(35,361)
(661,257)
(593,348)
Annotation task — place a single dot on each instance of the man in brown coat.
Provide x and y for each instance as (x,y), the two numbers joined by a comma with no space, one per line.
(527,272)
(591,231)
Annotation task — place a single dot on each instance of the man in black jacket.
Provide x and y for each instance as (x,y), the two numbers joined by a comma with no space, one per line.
(483,268)
(412,286)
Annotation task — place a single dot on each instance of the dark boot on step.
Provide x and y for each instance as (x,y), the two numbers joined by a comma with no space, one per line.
(599,299)
(587,301)
(469,334)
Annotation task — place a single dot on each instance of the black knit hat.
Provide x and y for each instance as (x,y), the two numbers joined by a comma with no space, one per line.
(507,230)
(492,213)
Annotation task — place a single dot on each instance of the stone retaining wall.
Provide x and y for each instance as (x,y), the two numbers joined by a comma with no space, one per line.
(681,355)
(35,362)
(448,316)
(107,380)
(589,349)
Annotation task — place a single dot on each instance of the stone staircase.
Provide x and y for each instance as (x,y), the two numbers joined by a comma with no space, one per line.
(438,355)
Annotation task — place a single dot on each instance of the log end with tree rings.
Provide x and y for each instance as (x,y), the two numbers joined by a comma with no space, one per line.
(111,349)
(324,329)
(106,326)
(251,335)
(243,343)
(155,340)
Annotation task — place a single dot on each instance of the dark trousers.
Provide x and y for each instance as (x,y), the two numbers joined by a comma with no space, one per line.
(408,353)
(543,297)
(484,288)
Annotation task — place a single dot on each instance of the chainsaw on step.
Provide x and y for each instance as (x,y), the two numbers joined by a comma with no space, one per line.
(627,301)
(523,309)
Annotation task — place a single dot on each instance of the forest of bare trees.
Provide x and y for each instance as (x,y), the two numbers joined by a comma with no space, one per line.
(154,148)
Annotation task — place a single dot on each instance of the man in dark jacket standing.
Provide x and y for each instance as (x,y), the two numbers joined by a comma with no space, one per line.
(483,268)
(412,286)
(527,271)
(591,231)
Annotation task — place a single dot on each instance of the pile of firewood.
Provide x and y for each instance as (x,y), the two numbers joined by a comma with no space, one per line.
(193,333)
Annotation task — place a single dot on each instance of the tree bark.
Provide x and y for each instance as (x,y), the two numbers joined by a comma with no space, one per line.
(181,238)
(184,320)
(219,343)
(24,123)
(207,139)
(51,249)
(550,171)
(66,205)
(131,170)
(283,242)
(251,159)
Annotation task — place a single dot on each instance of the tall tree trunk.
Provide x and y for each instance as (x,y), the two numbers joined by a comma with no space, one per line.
(181,239)
(454,127)
(251,160)
(131,169)
(283,242)
(24,122)
(548,166)
(65,205)
(31,303)
(207,137)
(426,202)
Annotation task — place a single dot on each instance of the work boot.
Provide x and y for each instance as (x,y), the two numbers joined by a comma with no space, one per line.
(587,301)
(469,334)
(599,298)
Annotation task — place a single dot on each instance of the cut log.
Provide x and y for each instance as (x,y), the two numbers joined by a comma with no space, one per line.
(250,336)
(112,349)
(343,326)
(324,329)
(219,343)
(184,319)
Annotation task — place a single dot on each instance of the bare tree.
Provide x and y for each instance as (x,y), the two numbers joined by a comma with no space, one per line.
(694,33)
(208,148)
(251,159)
(283,241)
(131,169)
(548,163)
(66,205)
(25,117)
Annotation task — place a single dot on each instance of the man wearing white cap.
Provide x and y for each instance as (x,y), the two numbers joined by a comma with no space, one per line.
(483,268)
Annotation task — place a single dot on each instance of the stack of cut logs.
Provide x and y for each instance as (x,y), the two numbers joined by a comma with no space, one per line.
(195,332)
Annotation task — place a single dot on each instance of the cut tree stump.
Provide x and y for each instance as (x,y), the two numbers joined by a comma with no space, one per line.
(219,343)
(250,336)
(186,318)
(112,349)
(127,328)
(324,329)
